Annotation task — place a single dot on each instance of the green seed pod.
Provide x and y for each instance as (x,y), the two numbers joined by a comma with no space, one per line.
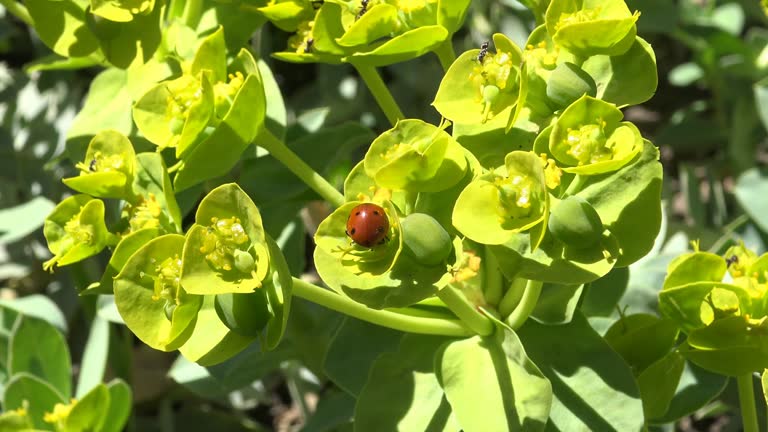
(575,222)
(245,314)
(425,239)
(169,307)
(567,83)
(243,261)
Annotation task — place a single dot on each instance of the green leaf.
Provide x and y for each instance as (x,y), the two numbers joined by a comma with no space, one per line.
(279,287)
(63,28)
(642,339)
(211,55)
(129,44)
(627,199)
(94,361)
(86,414)
(121,11)
(40,397)
(451,14)
(108,168)
(212,342)
(684,303)
(227,225)
(75,230)
(37,348)
(128,246)
(729,346)
(37,306)
(406,46)
(473,92)
(152,183)
(276,114)
(120,403)
(696,388)
(626,79)
(378,21)
(751,184)
(402,391)
(494,375)
(557,303)
(591,27)
(594,389)
(220,151)
(352,352)
(415,156)
(21,220)
(107,106)
(658,383)
(149,297)
(500,204)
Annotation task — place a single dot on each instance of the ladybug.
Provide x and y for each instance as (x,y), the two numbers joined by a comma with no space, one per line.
(368,225)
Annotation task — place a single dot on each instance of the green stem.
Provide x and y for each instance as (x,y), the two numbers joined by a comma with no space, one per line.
(193,9)
(446,54)
(493,279)
(281,152)
(747,402)
(466,311)
(380,92)
(512,297)
(526,305)
(576,185)
(19,11)
(383,318)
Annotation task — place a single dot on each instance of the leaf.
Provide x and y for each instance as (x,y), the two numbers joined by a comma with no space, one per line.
(402,391)
(39,395)
(148,295)
(21,220)
(38,306)
(750,185)
(695,389)
(494,375)
(95,355)
(128,246)
(211,55)
(593,387)
(642,339)
(37,348)
(352,352)
(279,290)
(120,403)
(63,28)
(130,44)
(451,14)
(406,46)
(108,167)
(626,79)
(658,383)
(557,303)
(152,180)
(86,414)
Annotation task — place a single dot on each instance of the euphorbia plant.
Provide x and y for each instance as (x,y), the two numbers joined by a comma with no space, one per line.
(533,185)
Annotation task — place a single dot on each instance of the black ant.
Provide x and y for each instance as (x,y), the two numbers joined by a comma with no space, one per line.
(317,4)
(92,165)
(483,52)
(363,10)
(308,47)
(733,259)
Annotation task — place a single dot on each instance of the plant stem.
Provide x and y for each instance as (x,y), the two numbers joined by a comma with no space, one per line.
(19,11)
(315,181)
(526,305)
(380,92)
(446,54)
(512,297)
(193,9)
(576,184)
(466,311)
(747,402)
(405,323)
(493,279)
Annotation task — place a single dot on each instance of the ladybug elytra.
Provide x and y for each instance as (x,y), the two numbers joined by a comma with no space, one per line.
(368,225)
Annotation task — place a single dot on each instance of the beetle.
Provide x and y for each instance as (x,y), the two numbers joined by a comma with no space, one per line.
(368,225)
(483,52)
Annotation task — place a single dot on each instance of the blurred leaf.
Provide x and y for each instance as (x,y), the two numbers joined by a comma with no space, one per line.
(593,387)
(120,403)
(94,361)
(38,306)
(37,348)
(750,189)
(39,395)
(685,74)
(353,350)
(19,221)
(696,388)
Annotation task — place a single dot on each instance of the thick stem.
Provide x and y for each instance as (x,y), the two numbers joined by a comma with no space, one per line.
(493,279)
(446,54)
(576,184)
(315,181)
(19,11)
(747,402)
(466,311)
(405,323)
(193,9)
(523,310)
(380,92)
(512,297)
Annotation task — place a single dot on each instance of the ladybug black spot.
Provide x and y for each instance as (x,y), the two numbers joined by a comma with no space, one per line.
(352,232)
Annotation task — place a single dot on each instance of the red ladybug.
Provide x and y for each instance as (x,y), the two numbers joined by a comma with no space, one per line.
(368,225)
